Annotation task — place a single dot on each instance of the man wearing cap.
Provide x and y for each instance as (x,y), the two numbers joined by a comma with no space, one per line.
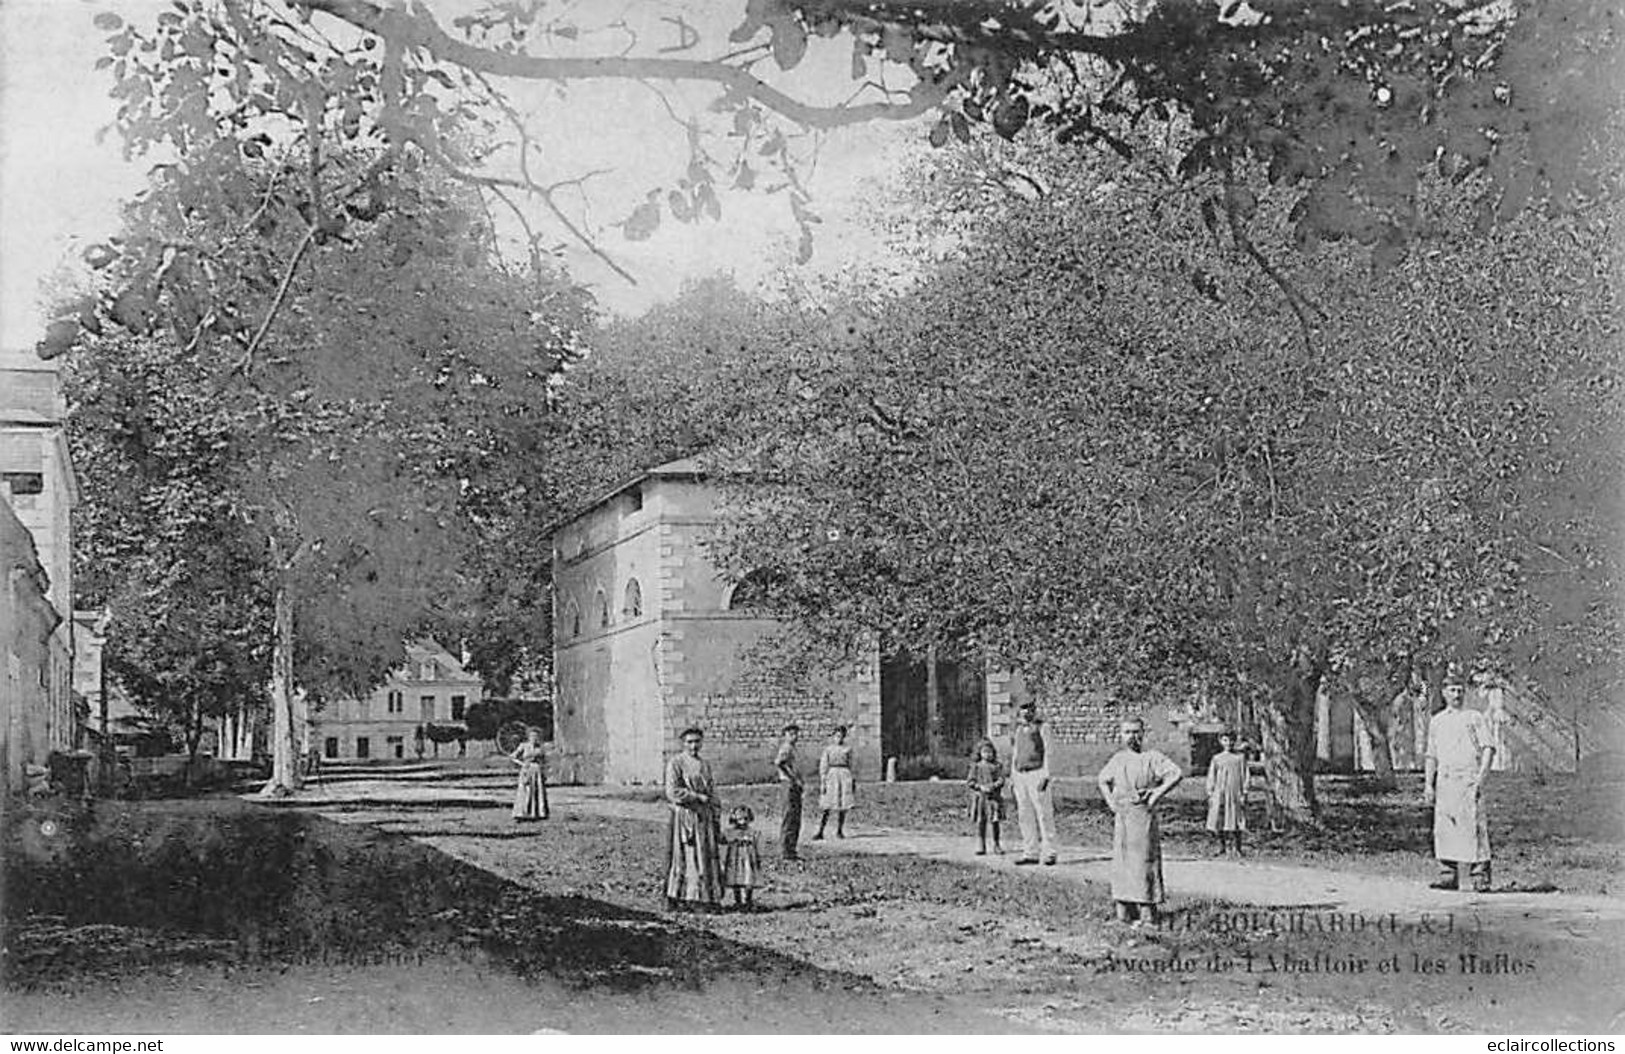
(1459,754)
(1029,780)
(1133,782)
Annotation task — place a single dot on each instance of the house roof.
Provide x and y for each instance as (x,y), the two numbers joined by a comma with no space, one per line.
(419,651)
(682,468)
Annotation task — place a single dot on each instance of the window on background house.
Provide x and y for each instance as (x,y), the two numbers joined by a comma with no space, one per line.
(634,499)
(397,703)
(602,603)
(426,704)
(634,600)
(395,747)
(363,747)
(459,703)
(330,747)
(24,487)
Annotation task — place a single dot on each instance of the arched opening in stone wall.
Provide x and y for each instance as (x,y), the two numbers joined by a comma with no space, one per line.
(753,593)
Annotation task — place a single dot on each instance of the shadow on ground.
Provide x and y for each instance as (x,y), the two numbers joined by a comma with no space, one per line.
(129,886)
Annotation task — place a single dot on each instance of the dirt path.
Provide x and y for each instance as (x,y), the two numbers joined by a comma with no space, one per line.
(1034,946)
(1245,882)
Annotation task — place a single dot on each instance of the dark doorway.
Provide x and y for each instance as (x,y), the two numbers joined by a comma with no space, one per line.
(932,714)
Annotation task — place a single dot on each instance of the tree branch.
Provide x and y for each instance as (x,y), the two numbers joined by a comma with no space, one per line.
(419,29)
(1301,305)
(276,303)
(546,197)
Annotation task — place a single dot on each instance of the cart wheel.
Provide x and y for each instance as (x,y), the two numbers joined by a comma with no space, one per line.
(510,735)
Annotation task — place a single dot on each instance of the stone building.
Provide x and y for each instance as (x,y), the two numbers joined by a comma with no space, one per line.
(430,688)
(36,715)
(39,491)
(649,638)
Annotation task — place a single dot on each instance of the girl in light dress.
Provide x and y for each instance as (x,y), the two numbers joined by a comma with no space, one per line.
(741,857)
(1227,793)
(838,789)
(986,783)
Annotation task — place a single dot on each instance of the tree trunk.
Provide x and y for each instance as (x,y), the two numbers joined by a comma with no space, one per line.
(1433,686)
(1372,686)
(1287,725)
(284,772)
(933,707)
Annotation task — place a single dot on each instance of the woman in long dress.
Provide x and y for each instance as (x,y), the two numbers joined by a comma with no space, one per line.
(1133,782)
(530,796)
(837,788)
(693,854)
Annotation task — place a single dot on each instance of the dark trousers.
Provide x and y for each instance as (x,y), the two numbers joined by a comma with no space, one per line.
(790,830)
(1478,873)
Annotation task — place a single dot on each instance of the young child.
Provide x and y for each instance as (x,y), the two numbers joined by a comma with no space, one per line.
(741,856)
(986,782)
(1227,793)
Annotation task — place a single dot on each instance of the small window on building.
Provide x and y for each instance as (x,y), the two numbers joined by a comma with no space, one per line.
(22,484)
(395,747)
(602,603)
(459,703)
(397,703)
(572,618)
(634,499)
(363,747)
(330,747)
(427,704)
(24,488)
(634,600)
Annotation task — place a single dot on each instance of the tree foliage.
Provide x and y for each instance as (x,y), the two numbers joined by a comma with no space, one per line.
(1086,445)
(1343,107)
(360,431)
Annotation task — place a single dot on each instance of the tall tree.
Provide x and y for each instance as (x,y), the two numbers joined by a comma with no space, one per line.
(368,411)
(1024,458)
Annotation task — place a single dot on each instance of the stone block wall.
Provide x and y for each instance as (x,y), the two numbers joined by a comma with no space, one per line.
(1083,723)
(742,707)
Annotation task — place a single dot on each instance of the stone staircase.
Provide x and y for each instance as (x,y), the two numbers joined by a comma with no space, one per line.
(1535,740)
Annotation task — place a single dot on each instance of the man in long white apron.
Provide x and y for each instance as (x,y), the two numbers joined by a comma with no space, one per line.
(1459,754)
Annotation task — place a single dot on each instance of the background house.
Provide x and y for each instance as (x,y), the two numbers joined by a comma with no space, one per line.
(430,688)
(38,490)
